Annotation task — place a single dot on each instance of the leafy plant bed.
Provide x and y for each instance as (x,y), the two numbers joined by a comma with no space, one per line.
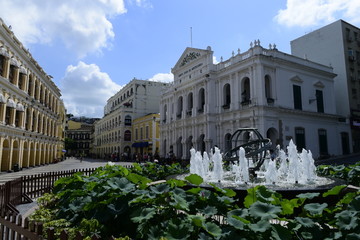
(120,202)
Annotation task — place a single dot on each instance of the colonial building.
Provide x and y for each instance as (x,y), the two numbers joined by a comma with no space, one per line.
(32,115)
(337,45)
(283,96)
(81,135)
(146,141)
(113,133)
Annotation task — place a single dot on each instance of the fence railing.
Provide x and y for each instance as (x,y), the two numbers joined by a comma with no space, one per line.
(12,226)
(23,190)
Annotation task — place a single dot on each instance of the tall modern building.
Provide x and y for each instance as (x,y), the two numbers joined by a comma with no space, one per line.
(32,115)
(113,133)
(337,45)
(283,96)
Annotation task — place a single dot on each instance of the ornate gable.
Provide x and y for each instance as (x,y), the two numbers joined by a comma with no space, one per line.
(191,55)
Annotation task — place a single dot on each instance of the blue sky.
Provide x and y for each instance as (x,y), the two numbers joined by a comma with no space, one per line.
(94,47)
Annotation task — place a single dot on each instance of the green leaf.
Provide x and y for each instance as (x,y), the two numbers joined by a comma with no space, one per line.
(160,188)
(236,223)
(178,230)
(250,197)
(264,210)
(280,233)
(194,179)
(260,226)
(334,191)
(209,210)
(144,215)
(315,208)
(346,220)
(213,229)
(229,192)
(176,183)
(265,195)
(306,222)
(353,236)
(179,202)
(289,205)
(241,212)
(197,220)
(355,204)
(308,195)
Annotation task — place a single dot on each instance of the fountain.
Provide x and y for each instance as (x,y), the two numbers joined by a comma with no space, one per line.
(287,172)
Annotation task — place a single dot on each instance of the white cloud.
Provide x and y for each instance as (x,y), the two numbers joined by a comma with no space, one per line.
(162,77)
(84,26)
(86,89)
(315,12)
(215,61)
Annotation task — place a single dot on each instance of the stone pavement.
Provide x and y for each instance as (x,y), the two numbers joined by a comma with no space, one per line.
(67,164)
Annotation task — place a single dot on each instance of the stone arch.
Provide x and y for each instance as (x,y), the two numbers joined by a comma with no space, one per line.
(5,158)
(32,154)
(25,155)
(15,156)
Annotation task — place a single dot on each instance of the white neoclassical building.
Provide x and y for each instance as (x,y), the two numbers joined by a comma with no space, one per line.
(283,96)
(113,133)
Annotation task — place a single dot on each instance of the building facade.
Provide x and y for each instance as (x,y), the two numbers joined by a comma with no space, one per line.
(337,45)
(81,135)
(32,115)
(283,96)
(146,141)
(113,133)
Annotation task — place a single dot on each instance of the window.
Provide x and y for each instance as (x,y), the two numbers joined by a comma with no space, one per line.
(201,104)
(147,132)
(127,135)
(179,107)
(319,101)
(127,121)
(227,96)
(323,147)
(136,134)
(300,138)
(297,97)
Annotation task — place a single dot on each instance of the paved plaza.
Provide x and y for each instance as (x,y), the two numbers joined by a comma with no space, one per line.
(67,164)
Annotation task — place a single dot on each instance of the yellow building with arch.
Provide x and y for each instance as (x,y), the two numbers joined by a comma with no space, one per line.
(32,115)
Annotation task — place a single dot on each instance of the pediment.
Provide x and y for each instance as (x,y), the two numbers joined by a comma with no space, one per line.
(319,84)
(297,79)
(191,55)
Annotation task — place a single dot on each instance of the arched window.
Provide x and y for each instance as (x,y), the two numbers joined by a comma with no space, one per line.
(189,104)
(226,96)
(201,102)
(127,135)
(245,94)
(179,107)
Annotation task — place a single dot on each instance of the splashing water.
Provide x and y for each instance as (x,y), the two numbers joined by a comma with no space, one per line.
(285,170)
